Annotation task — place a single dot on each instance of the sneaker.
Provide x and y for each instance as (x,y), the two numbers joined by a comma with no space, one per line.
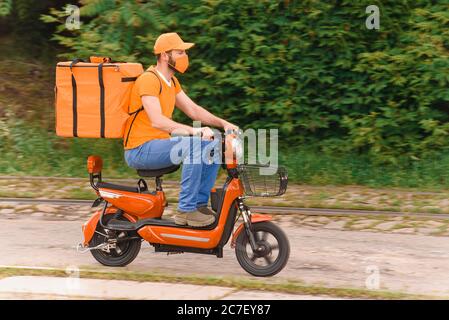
(181,218)
(199,219)
(206,210)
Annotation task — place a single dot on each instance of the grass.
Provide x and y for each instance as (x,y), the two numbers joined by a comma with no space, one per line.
(307,165)
(81,194)
(286,286)
(16,194)
(441,230)
(44,154)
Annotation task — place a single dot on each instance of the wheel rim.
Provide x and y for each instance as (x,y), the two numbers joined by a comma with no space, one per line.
(268,254)
(120,247)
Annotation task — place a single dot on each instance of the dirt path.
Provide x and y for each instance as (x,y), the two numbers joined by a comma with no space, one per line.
(406,263)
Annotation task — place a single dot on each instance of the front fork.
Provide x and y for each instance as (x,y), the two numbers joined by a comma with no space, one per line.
(246,214)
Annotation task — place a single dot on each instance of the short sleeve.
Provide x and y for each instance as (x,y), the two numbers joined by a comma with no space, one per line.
(148,85)
(178,87)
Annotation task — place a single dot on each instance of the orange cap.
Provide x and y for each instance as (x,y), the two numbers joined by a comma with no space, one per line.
(170,41)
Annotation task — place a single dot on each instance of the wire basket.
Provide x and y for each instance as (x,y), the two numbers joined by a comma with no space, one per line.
(258,183)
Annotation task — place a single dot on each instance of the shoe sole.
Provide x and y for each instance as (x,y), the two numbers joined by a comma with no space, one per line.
(200,224)
(180,222)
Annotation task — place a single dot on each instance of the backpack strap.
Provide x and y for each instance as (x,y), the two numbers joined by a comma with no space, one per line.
(102,99)
(136,113)
(74,98)
(160,83)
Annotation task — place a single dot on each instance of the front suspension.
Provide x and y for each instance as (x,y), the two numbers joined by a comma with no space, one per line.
(246,214)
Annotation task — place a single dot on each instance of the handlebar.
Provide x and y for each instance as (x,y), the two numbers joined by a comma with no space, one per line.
(223,134)
(223,142)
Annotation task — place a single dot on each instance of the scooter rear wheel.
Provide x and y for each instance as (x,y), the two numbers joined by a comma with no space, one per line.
(123,253)
(274,253)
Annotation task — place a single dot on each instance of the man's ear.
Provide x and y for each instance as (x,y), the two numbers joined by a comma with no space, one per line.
(165,56)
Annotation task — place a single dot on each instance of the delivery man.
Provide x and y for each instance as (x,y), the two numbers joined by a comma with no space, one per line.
(147,140)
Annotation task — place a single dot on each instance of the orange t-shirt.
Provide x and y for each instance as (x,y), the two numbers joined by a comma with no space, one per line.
(138,128)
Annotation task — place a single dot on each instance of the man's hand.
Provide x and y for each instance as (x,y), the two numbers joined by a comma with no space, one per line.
(206,133)
(229,126)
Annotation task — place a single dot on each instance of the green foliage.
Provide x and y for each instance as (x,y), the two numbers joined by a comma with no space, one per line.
(21,19)
(5,7)
(309,68)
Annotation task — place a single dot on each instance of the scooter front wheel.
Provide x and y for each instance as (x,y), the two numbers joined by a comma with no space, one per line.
(273,253)
(118,253)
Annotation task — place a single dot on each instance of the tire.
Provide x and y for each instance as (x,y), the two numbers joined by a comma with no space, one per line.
(245,258)
(128,250)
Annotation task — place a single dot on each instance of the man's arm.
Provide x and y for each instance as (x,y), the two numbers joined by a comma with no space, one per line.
(152,107)
(196,112)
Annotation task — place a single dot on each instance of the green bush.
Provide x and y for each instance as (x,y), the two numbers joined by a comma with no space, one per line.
(309,68)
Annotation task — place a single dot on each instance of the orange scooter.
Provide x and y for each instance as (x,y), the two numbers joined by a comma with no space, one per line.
(131,215)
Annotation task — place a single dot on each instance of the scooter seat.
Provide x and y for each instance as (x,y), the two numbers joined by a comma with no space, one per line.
(157,172)
(116,187)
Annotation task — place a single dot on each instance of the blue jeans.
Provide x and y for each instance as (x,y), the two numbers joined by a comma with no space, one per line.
(198,173)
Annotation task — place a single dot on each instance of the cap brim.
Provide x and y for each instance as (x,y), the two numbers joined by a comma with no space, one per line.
(185,46)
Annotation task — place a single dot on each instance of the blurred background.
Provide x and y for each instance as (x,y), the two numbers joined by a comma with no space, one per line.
(353,106)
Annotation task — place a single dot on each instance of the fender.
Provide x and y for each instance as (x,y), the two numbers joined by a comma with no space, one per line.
(90,225)
(255,218)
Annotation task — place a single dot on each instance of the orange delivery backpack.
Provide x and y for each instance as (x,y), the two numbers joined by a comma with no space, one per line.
(92,98)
